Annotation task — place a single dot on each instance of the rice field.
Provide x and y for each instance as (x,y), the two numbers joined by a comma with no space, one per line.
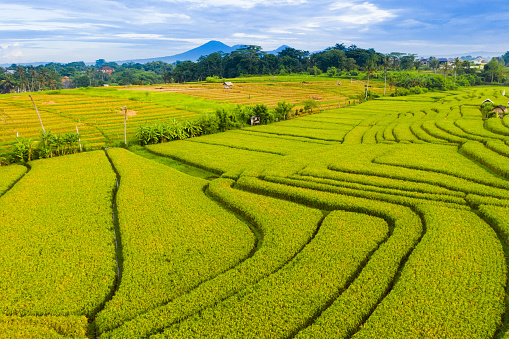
(388,219)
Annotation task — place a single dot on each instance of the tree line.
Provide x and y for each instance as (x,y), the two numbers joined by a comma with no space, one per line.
(338,60)
(18,78)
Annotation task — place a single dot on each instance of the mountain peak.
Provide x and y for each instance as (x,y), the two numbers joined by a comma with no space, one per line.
(194,54)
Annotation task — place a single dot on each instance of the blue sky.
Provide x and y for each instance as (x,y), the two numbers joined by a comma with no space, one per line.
(65,31)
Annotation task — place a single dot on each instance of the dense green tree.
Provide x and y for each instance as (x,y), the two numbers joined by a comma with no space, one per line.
(270,64)
(434,64)
(494,70)
(396,60)
(505,57)
(386,61)
(6,84)
(407,62)
(370,67)
(456,63)
(330,58)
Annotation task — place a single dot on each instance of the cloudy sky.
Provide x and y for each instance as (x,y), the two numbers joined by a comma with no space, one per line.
(66,31)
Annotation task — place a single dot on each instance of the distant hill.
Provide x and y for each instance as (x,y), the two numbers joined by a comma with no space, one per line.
(35,64)
(192,55)
(195,53)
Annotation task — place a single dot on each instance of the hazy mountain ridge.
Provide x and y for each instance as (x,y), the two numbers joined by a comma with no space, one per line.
(214,46)
(195,53)
(192,55)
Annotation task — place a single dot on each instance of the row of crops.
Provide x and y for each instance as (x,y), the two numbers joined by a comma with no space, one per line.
(383,220)
(98,119)
(269,90)
(98,114)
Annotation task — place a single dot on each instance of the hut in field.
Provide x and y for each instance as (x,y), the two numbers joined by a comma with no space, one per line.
(486,101)
(254,120)
(228,85)
(500,111)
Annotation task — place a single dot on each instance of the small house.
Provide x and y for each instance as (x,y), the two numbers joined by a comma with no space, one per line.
(255,120)
(500,111)
(107,70)
(478,63)
(228,85)
(66,82)
(486,101)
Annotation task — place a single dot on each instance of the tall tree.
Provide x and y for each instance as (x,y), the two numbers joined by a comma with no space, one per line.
(6,85)
(386,61)
(370,66)
(417,65)
(20,72)
(407,61)
(456,63)
(494,69)
(252,54)
(505,57)
(434,63)
(446,69)
(395,59)
(33,75)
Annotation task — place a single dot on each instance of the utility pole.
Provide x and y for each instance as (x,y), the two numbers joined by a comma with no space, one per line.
(125,124)
(37,113)
(79,138)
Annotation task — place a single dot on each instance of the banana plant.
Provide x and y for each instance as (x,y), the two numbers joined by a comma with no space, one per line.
(23,150)
(192,128)
(46,144)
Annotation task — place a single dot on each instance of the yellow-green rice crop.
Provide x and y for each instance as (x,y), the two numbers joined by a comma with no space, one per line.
(173,237)
(9,175)
(284,227)
(451,286)
(57,238)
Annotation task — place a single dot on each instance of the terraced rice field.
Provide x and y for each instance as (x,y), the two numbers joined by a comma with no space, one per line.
(98,114)
(389,219)
(98,119)
(328,93)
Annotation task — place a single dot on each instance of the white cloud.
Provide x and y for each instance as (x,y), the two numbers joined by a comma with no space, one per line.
(140,36)
(154,16)
(238,3)
(11,53)
(22,13)
(251,36)
(49,27)
(411,23)
(352,13)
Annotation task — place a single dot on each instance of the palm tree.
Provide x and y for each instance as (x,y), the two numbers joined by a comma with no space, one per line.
(395,57)
(456,63)
(93,73)
(386,60)
(20,71)
(89,73)
(370,66)
(6,85)
(434,63)
(42,77)
(417,65)
(53,84)
(446,68)
(33,74)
